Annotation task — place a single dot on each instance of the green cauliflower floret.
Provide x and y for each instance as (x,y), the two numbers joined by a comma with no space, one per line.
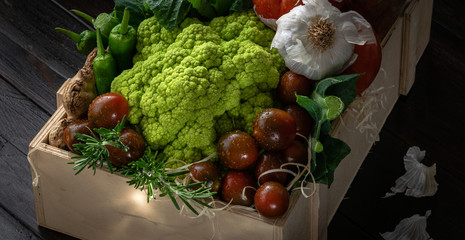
(199,80)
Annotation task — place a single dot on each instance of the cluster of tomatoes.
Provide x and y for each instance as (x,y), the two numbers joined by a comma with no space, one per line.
(106,111)
(258,165)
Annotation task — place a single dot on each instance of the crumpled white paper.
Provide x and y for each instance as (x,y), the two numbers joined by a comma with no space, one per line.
(412,228)
(419,179)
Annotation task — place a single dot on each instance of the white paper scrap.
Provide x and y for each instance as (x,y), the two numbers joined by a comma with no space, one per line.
(412,228)
(418,181)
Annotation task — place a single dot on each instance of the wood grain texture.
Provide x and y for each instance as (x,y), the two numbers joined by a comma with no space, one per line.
(10,228)
(17,128)
(35,59)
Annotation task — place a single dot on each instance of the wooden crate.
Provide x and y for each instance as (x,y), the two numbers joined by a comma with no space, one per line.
(416,32)
(104,206)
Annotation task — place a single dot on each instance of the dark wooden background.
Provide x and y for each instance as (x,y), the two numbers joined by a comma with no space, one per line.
(35,61)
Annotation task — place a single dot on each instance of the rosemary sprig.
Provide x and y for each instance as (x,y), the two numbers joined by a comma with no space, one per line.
(93,152)
(149,173)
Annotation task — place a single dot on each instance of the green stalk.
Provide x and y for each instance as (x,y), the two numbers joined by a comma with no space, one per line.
(76,37)
(104,67)
(100,48)
(85,42)
(125,22)
(83,15)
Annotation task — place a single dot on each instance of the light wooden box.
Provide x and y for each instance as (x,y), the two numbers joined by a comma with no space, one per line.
(104,206)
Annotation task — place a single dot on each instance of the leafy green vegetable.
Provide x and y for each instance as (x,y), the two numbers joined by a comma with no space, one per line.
(241,5)
(170,13)
(329,99)
(204,8)
(139,9)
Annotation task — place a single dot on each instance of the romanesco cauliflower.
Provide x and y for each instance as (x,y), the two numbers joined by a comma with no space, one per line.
(193,83)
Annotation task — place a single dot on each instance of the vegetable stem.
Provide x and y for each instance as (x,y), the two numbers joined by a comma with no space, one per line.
(83,15)
(125,22)
(75,36)
(100,48)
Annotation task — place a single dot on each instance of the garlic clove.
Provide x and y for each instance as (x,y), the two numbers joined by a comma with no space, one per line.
(418,180)
(413,227)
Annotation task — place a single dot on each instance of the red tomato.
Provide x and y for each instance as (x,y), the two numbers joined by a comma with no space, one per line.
(77,126)
(269,161)
(107,110)
(368,62)
(292,83)
(237,150)
(274,8)
(274,129)
(206,172)
(271,200)
(135,142)
(233,187)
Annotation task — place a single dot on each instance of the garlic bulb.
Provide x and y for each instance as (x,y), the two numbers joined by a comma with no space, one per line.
(317,40)
(418,181)
(410,228)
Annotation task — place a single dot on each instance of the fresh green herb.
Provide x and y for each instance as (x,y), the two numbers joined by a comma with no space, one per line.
(149,173)
(93,151)
(329,99)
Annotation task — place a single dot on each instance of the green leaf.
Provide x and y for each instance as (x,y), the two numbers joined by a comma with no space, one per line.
(311,106)
(170,13)
(329,99)
(345,90)
(241,5)
(222,7)
(330,159)
(204,8)
(139,10)
(324,84)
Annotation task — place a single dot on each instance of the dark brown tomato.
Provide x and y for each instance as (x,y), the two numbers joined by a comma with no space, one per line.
(296,153)
(107,110)
(234,184)
(303,121)
(274,129)
(207,172)
(292,83)
(135,142)
(237,150)
(78,126)
(271,200)
(268,161)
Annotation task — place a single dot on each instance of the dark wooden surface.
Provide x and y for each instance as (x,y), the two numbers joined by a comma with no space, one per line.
(35,61)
